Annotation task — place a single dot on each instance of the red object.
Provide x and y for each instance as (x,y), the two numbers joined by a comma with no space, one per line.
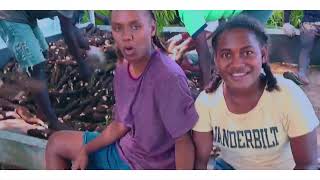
(185,35)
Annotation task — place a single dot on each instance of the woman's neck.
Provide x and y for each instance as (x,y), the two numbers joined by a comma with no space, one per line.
(243,100)
(136,68)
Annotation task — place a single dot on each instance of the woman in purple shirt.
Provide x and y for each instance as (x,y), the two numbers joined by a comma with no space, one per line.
(154,110)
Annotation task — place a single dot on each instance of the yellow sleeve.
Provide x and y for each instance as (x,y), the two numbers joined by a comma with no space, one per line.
(301,117)
(204,122)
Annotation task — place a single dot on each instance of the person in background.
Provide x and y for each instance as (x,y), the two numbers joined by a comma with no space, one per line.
(309,34)
(20,31)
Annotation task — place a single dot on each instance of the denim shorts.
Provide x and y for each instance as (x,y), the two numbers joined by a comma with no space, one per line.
(25,41)
(106,158)
(220,164)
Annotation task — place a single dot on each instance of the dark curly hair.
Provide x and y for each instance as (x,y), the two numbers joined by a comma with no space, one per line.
(254,26)
(155,39)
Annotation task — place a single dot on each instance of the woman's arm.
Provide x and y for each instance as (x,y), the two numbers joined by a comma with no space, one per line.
(203,146)
(304,150)
(184,152)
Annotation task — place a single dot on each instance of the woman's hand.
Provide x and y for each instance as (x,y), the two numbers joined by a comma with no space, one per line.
(81,161)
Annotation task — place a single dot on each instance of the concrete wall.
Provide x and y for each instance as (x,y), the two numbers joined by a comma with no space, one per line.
(22,151)
(282,47)
(287,49)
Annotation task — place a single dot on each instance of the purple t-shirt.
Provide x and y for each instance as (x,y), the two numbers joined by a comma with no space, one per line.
(158,107)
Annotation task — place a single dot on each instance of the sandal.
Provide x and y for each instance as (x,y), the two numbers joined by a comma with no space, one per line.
(292,76)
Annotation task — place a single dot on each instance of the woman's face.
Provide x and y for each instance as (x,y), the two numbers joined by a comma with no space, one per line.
(133,32)
(239,58)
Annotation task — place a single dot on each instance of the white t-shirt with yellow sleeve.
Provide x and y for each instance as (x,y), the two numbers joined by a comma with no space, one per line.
(258,139)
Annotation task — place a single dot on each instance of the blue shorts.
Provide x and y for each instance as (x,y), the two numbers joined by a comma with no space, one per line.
(26,42)
(107,158)
(220,164)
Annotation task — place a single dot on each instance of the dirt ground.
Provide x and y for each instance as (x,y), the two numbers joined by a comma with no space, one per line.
(312,90)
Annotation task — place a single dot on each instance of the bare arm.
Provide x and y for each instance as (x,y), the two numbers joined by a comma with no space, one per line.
(304,150)
(203,147)
(75,41)
(204,58)
(184,152)
(73,37)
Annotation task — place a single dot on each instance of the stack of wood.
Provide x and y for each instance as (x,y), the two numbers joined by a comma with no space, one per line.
(18,119)
(82,105)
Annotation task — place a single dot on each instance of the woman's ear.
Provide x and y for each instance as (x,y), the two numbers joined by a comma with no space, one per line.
(215,69)
(215,57)
(265,54)
(153,28)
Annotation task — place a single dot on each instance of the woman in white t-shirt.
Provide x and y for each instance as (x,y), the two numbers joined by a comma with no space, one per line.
(258,121)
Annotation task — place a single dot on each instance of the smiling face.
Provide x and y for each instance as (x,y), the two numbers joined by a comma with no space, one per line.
(239,58)
(133,32)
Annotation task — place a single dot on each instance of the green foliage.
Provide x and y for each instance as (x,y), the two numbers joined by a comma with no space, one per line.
(170,18)
(277,19)
(85,17)
(165,18)
(296,18)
